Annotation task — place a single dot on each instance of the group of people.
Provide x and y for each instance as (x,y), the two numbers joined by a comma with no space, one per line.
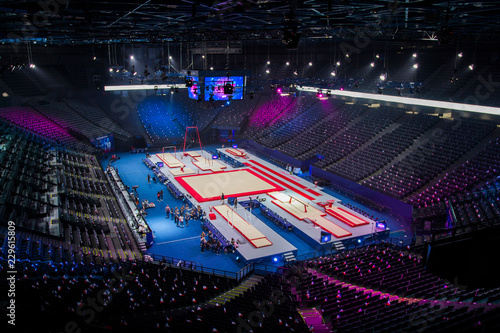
(208,242)
(183,215)
(149,179)
(160,195)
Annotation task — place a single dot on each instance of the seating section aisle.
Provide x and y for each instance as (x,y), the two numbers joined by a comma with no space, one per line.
(380,289)
(417,169)
(482,167)
(233,114)
(303,145)
(267,112)
(98,117)
(371,123)
(368,160)
(66,117)
(61,197)
(51,294)
(243,313)
(478,206)
(301,105)
(296,126)
(28,118)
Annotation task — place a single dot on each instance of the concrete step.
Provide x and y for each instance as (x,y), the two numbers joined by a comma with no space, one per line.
(236,291)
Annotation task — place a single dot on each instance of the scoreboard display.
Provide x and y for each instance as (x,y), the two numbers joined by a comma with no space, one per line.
(223,88)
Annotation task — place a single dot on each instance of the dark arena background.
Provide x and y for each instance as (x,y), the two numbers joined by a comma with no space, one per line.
(249,166)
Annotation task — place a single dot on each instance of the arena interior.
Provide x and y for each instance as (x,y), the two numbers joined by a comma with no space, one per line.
(250,166)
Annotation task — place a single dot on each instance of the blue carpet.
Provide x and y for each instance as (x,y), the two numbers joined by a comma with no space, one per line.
(169,240)
(184,243)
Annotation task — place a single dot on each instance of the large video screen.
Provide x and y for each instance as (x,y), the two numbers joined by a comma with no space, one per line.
(105,142)
(194,91)
(214,86)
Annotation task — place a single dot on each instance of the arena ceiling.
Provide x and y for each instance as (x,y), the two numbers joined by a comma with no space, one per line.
(127,21)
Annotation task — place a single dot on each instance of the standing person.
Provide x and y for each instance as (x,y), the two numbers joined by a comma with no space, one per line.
(158,195)
(167,212)
(203,241)
(149,179)
(161,195)
(181,221)
(176,218)
(235,203)
(222,198)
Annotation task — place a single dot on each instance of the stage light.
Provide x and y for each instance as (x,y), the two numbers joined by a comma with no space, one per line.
(460,55)
(268,62)
(333,73)
(338,63)
(203,56)
(238,259)
(291,38)
(372,64)
(275,259)
(215,157)
(310,64)
(32,65)
(414,55)
(347,55)
(325,237)
(382,77)
(111,69)
(415,66)
(377,56)
(94,58)
(267,71)
(359,240)
(131,57)
(228,88)
(341,88)
(211,68)
(279,90)
(381,225)
(235,146)
(288,63)
(295,73)
(471,66)
(169,57)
